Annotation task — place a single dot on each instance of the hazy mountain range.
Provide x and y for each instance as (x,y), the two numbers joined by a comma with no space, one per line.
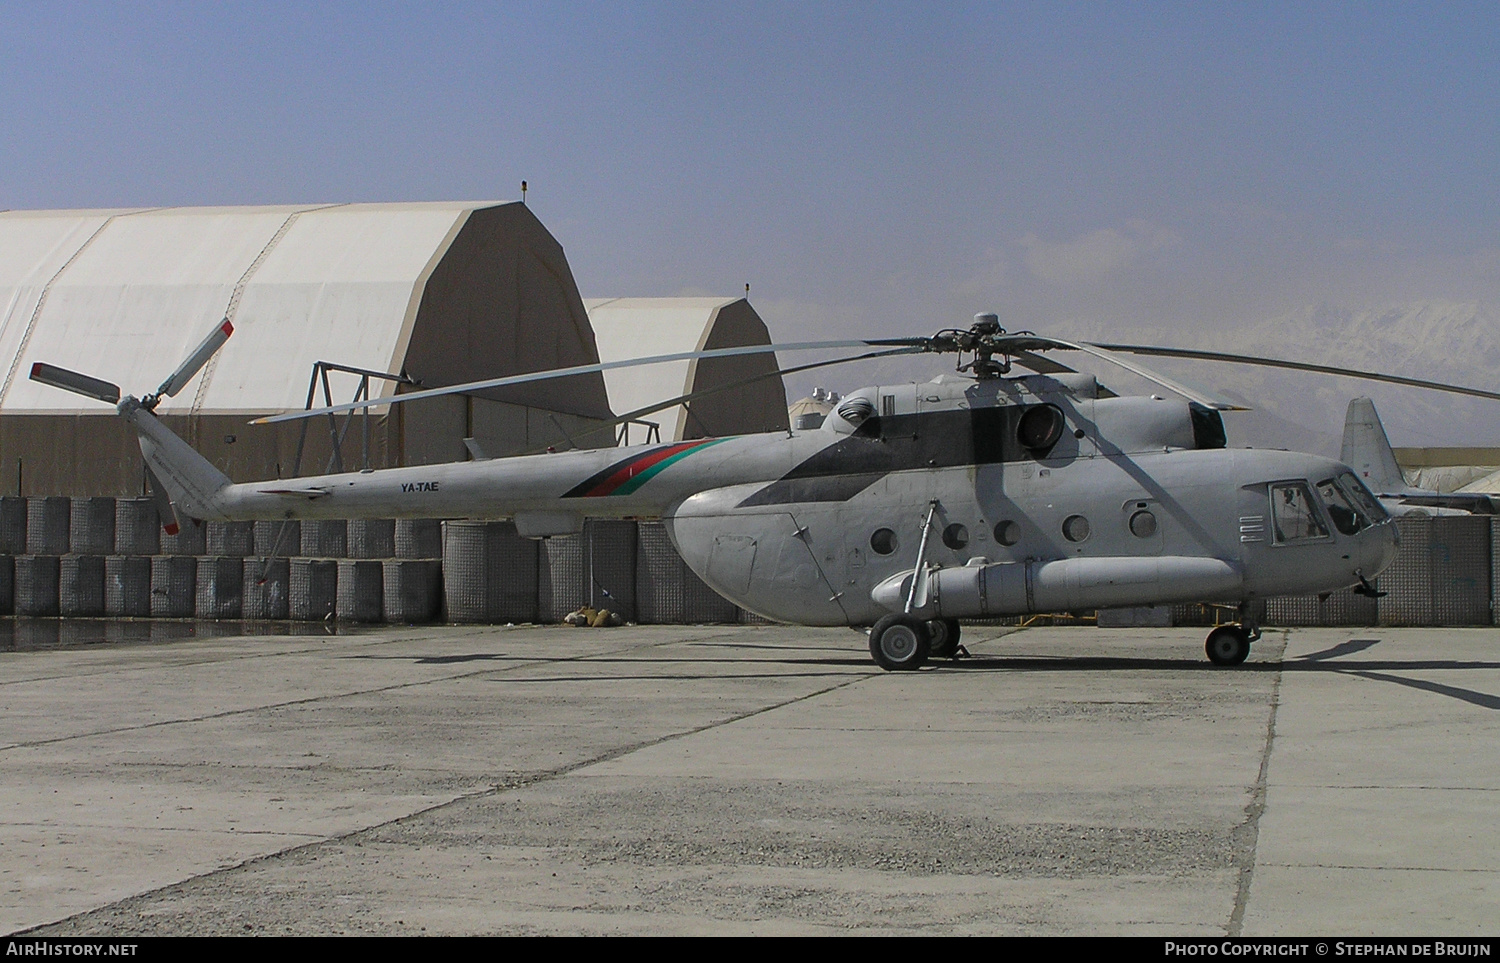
(1448,341)
(1435,340)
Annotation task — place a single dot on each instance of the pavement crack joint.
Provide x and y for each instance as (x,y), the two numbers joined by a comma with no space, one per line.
(488,669)
(622,751)
(481,793)
(1246,836)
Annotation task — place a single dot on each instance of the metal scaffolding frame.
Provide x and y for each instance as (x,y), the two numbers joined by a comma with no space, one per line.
(337,435)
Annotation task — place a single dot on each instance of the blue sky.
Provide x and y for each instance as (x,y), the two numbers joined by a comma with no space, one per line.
(1181,170)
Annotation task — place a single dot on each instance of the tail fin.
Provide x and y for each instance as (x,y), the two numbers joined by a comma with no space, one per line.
(1367,450)
(191,481)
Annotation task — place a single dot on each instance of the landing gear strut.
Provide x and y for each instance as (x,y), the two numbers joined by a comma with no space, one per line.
(899,642)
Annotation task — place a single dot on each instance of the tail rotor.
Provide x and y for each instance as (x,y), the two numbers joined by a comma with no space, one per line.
(110,393)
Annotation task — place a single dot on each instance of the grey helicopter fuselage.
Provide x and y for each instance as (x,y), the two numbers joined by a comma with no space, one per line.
(950,499)
(1135,501)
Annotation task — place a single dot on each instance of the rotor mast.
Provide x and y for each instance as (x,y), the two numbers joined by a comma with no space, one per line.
(982,340)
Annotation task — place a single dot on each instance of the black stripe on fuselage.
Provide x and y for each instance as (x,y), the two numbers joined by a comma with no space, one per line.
(933,439)
(582,489)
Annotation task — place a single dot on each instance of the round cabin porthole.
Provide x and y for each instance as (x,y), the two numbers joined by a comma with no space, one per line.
(956,536)
(1007,533)
(1143,524)
(1075,528)
(883,542)
(1040,428)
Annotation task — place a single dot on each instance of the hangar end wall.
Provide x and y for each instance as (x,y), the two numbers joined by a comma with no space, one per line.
(503,301)
(759,404)
(446,292)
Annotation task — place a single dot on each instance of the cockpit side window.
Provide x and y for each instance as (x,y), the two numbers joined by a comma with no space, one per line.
(1343,511)
(1294,516)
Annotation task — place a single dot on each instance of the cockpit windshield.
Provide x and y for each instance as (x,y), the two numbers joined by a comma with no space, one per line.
(1343,509)
(1349,504)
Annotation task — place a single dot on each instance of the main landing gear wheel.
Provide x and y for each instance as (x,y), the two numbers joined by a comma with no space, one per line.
(1228,645)
(943,635)
(899,642)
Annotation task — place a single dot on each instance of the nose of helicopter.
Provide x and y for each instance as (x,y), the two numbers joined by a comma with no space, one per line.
(1378,548)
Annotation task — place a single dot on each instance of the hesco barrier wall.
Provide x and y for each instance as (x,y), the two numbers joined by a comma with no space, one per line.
(666,589)
(1444,575)
(561,585)
(108,557)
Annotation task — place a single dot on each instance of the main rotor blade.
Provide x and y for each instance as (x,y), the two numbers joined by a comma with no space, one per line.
(196,360)
(81,384)
(1104,353)
(1299,366)
(473,386)
(1041,364)
(1044,365)
(1014,344)
(716,389)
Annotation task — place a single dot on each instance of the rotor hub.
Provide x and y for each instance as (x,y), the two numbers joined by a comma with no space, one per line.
(984,339)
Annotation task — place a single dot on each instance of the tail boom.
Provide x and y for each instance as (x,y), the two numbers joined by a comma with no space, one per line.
(546,494)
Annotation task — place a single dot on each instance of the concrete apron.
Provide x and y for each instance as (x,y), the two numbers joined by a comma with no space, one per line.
(735,779)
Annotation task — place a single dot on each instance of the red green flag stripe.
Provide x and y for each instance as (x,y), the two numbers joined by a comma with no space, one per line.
(625,477)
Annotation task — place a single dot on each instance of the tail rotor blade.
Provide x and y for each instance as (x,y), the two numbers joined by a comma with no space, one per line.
(80,384)
(196,360)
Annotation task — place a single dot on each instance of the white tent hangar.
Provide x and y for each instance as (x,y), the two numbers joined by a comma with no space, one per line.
(627,328)
(444,292)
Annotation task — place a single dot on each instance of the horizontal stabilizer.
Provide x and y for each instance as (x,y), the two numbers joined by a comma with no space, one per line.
(81,384)
(295,492)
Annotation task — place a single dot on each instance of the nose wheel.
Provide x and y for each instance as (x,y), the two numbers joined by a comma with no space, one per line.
(900,642)
(1229,644)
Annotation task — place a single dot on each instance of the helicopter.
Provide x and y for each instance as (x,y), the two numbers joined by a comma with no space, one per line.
(981,494)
